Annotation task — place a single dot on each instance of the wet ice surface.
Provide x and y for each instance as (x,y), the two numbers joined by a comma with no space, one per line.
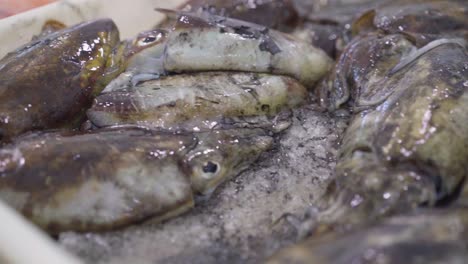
(236,224)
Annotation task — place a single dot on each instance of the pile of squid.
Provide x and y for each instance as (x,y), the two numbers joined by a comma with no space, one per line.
(398,195)
(98,133)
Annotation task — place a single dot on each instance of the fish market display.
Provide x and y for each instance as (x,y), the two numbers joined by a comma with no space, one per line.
(201,102)
(108,178)
(99,133)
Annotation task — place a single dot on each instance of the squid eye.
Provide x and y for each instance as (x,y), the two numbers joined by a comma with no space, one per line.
(146,39)
(149,39)
(210,167)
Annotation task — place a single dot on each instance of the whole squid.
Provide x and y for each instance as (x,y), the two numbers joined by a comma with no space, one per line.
(201,102)
(111,178)
(406,145)
(205,42)
(49,82)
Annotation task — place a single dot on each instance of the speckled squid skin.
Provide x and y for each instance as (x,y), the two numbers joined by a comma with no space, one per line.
(200,102)
(410,147)
(425,236)
(50,81)
(96,181)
